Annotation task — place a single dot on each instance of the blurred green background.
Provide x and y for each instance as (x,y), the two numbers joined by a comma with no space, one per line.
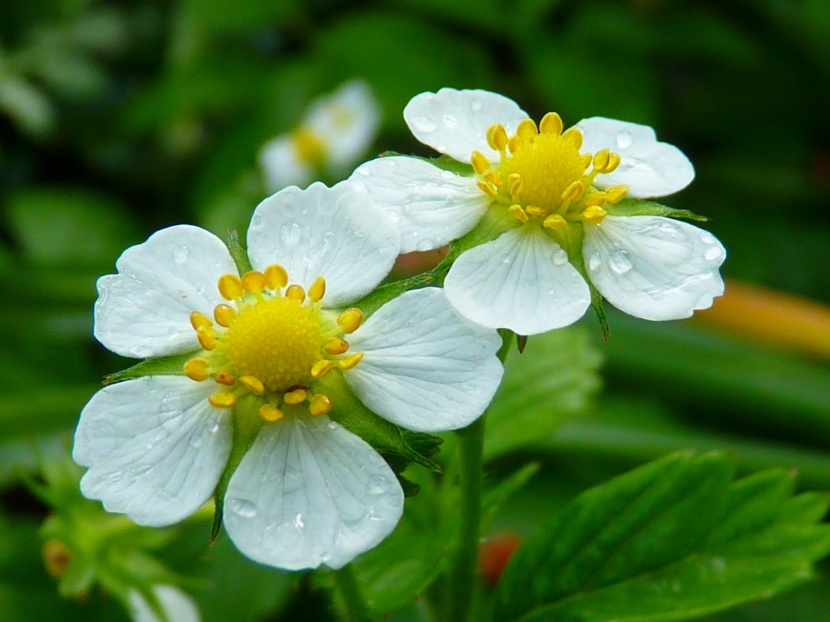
(119,118)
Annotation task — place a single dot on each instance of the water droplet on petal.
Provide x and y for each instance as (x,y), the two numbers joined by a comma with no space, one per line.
(256,221)
(196,441)
(242,507)
(560,257)
(423,124)
(425,244)
(180,254)
(594,262)
(507,259)
(620,262)
(475,105)
(298,521)
(290,234)
(333,425)
(450,121)
(707,238)
(624,139)
(713,253)
(377,485)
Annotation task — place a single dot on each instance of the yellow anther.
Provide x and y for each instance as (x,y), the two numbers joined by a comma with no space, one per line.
(601,158)
(480,162)
(197,369)
(494,178)
(613,162)
(587,158)
(317,289)
(573,191)
(224,315)
(320,405)
(224,377)
(594,215)
(515,183)
(222,400)
(488,188)
(595,198)
(270,413)
(206,337)
(526,130)
(514,143)
(350,320)
(615,194)
(336,345)
(551,123)
(230,287)
(555,222)
(497,137)
(254,282)
(321,368)
(295,292)
(517,212)
(200,319)
(535,210)
(573,136)
(253,384)
(276,276)
(350,361)
(297,396)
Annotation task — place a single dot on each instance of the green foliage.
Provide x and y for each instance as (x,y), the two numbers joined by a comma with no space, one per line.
(671,540)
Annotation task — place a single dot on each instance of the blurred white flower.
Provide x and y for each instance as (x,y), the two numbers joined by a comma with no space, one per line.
(335,133)
(174,603)
(553,198)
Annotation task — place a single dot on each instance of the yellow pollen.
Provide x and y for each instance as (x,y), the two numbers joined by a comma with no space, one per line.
(317,289)
(276,340)
(488,188)
(309,146)
(198,320)
(276,276)
(555,222)
(320,405)
(224,377)
(480,162)
(254,385)
(497,137)
(573,136)
(551,123)
(230,287)
(494,178)
(350,361)
(254,282)
(197,369)
(350,320)
(336,345)
(321,368)
(594,215)
(295,292)
(518,213)
(206,337)
(615,194)
(222,400)
(595,198)
(270,413)
(601,159)
(515,181)
(297,396)
(224,315)
(613,162)
(573,192)
(534,210)
(526,129)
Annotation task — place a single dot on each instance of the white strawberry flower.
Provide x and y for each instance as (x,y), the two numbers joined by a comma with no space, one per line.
(552,199)
(257,353)
(334,134)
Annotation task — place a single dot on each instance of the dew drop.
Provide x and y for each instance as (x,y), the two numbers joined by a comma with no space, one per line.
(620,262)
(423,124)
(447,175)
(713,253)
(298,521)
(425,244)
(377,485)
(410,189)
(290,234)
(475,105)
(333,425)
(624,139)
(180,254)
(507,259)
(256,221)
(707,238)
(450,121)
(242,507)
(594,262)
(560,257)
(196,441)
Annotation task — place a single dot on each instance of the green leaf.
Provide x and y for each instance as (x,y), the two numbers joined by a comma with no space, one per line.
(671,540)
(553,378)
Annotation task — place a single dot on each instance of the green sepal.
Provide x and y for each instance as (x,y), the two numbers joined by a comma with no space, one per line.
(452,165)
(172,365)
(238,254)
(246,425)
(383,294)
(640,207)
(599,310)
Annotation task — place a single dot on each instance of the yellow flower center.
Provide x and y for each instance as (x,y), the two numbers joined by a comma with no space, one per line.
(542,174)
(271,342)
(309,146)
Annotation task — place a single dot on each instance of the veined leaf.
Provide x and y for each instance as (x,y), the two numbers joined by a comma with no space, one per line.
(672,540)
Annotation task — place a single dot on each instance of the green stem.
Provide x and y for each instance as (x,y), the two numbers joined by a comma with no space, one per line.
(356,608)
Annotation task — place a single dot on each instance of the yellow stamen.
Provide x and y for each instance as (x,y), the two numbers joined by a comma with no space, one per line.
(480,162)
(551,123)
(317,289)
(573,136)
(297,396)
(601,158)
(497,137)
(488,189)
(595,198)
(514,143)
(594,214)
(224,377)
(197,369)
(515,181)
(556,222)
(321,368)
(494,178)
(517,212)
(200,319)
(253,384)
(526,130)
(270,413)
(350,361)
(320,405)
(276,276)
(573,191)
(230,287)
(336,345)
(535,210)
(222,400)
(206,337)
(615,194)
(254,282)
(295,292)
(350,320)
(613,162)
(224,315)
(587,158)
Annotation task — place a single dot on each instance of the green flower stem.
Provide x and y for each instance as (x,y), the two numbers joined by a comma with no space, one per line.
(356,608)
(463,575)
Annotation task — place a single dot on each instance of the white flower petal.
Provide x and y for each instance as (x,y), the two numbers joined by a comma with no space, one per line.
(144,310)
(425,367)
(177,606)
(455,122)
(522,281)
(154,446)
(431,207)
(337,233)
(652,267)
(282,166)
(347,121)
(309,492)
(648,167)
